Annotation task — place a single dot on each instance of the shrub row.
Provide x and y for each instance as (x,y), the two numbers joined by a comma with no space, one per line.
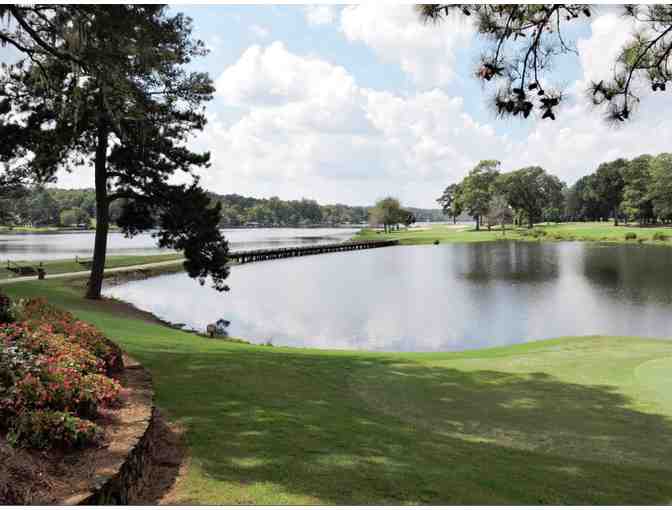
(54,376)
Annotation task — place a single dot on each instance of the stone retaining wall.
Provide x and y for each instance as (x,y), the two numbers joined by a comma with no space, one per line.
(122,479)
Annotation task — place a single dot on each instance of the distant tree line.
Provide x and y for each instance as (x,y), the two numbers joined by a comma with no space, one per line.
(637,190)
(38,206)
(240,211)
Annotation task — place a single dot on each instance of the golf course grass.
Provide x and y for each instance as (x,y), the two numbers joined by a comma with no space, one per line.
(578,231)
(62,266)
(567,421)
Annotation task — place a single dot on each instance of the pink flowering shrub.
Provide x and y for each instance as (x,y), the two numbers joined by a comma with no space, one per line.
(37,312)
(53,377)
(43,429)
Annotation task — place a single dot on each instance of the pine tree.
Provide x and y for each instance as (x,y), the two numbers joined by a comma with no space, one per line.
(525,39)
(111,91)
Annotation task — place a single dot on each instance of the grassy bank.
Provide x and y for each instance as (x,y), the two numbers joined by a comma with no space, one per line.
(70,265)
(576,420)
(546,232)
(4,229)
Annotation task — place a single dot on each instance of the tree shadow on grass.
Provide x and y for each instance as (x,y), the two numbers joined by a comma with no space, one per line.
(282,427)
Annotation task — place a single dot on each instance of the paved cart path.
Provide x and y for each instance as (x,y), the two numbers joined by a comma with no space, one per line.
(120,269)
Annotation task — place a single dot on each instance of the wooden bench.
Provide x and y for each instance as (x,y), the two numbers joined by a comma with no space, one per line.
(23,270)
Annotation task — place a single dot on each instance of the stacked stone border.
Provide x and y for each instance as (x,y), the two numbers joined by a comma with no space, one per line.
(123,480)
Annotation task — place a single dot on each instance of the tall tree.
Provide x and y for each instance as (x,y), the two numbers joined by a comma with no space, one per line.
(531,190)
(608,185)
(525,40)
(636,182)
(386,212)
(478,188)
(451,202)
(407,218)
(116,95)
(661,186)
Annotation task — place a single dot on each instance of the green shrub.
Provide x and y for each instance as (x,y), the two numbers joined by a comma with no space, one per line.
(42,428)
(629,236)
(535,233)
(660,236)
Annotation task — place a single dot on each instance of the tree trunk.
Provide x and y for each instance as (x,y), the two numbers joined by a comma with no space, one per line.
(615,217)
(454,220)
(478,222)
(102,215)
(530,223)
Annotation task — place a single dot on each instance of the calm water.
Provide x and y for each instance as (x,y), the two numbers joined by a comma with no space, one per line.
(67,245)
(430,298)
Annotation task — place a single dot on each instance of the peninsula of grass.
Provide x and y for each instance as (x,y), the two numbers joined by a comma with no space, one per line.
(566,421)
(53,267)
(4,229)
(578,231)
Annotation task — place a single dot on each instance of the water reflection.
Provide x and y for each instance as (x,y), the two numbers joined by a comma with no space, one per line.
(641,274)
(512,262)
(429,298)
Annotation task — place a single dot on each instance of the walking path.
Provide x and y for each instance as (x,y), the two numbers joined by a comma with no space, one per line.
(120,269)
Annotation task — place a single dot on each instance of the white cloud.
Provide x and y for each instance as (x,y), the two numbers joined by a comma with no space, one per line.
(310,130)
(320,14)
(259,31)
(423,50)
(598,53)
(272,75)
(303,126)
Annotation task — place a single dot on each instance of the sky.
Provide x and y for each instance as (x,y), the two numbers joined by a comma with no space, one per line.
(347,104)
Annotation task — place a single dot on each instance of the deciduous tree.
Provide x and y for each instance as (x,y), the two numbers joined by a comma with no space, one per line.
(608,185)
(661,186)
(451,202)
(636,193)
(531,190)
(477,189)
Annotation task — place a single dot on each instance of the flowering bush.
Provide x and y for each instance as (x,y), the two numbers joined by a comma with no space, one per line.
(53,374)
(42,429)
(35,313)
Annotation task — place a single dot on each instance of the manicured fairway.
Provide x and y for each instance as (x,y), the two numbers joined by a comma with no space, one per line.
(591,231)
(575,420)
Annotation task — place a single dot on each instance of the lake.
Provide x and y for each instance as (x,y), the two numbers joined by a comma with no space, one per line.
(66,245)
(429,298)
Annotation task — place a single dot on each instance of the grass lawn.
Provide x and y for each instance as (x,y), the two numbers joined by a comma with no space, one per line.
(70,266)
(575,420)
(592,231)
(4,229)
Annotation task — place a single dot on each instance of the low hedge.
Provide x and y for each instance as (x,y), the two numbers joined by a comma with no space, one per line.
(54,376)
